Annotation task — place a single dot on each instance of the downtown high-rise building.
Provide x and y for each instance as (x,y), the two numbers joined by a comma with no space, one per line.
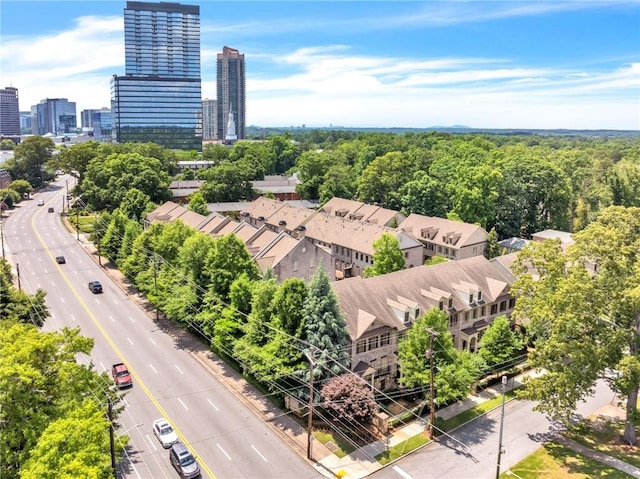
(159,99)
(230,82)
(9,113)
(54,116)
(209,119)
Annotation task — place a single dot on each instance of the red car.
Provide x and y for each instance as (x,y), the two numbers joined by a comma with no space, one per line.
(121,375)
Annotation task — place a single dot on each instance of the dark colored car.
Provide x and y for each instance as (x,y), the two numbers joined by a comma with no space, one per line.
(50,210)
(95,287)
(60,260)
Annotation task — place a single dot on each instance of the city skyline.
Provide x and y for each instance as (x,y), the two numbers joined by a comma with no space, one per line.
(572,64)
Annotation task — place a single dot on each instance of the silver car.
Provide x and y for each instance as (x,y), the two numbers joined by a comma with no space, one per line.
(183,461)
(164,432)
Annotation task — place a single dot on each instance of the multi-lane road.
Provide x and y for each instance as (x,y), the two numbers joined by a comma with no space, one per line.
(228,440)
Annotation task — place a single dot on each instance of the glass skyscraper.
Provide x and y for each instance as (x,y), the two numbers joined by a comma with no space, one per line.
(230,78)
(9,113)
(159,98)
(55,116)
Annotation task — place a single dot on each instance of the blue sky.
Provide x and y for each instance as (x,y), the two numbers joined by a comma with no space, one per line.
(500,64)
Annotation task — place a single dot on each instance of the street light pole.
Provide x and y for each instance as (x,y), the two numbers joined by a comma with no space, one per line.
(504,383)
(312,364)
(430,356)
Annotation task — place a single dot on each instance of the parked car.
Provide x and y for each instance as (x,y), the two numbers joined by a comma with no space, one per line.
(95,287)
(121,375)
(164,432)
(60,260)
(183,461)
(50,210)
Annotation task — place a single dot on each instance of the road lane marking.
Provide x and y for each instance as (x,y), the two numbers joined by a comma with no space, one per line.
(111,318)
(132,320)
(114,300)
(120,356)
(152,341)
(129,339)
(73,317)
(183,404)
(153,444)
(103,368)
(214,406)
(53,283)
(181,372)
(154,369)
(61,299)
(223,451)
(259,454)
(402,473)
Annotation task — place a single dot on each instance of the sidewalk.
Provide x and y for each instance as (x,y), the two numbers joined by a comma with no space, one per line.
(360,463)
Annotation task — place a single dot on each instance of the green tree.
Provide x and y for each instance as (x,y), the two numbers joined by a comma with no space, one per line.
(325,328)
(107,181)
(387,256)
(75,159)
(383,178)
(17,305)
(337,182)
(135,204)
(30,158)
(423,195)
(435,260)
(22,187)
(198,204)
(456,372)
(7,144)
(229,181)
(499,344)
(585,323)
(493,247)
(215,153)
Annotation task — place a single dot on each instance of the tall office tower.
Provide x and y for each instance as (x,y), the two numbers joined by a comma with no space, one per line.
(159,98)
(9,113)
(87,117)
(231,91)
(25,122)
(209,119)
(55,116)
(101,121)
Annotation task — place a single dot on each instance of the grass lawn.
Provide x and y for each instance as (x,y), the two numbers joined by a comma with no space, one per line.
(604,434)
(553,461)
(469,414)
(86,222)
(403,448)
(343,447)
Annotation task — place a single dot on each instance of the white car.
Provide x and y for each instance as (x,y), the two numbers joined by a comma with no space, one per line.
(41,203)
(164,432)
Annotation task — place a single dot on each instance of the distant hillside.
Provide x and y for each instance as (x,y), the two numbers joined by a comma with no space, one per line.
(257,132)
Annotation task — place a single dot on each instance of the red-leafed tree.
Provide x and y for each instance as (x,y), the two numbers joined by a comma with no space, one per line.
(349,398)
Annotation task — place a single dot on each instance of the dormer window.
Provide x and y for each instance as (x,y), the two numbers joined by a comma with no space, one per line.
(450,303)
(479,295)
(407,317)
(441,305)
(471,298)
(417,313)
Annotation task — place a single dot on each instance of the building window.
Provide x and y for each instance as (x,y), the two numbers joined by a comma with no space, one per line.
(441,305)
(453,320)
(439,249)
(471,298)
(450,303)
(385,339)
(494,309)
(503,306)
(466,316)
(479,295)
(406,255)
(295,265)
(373,343)
(417,313)
(361,346)
(482,311)
(407,318)
(475,313)
(512,303)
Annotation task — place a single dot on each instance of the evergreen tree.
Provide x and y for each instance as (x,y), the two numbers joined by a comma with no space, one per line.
(325,328)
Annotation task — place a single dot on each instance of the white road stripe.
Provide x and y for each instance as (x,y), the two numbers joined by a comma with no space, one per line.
(214,406)
(103,368)
(183,404)
(402,473)
(153,342)
(111,318)
(61,299)
(154,369)
(129,339)
(132,320)
(181,372)
(153,443)
(223,451)
(73,317)
(114,301)
(259,454)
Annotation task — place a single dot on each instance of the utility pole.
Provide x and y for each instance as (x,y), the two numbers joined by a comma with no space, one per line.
(156,260)
(77,223)
(312,364)
(429,354)
(98,244)
(112,447)
(2,236)
(504,382)
(18,273)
